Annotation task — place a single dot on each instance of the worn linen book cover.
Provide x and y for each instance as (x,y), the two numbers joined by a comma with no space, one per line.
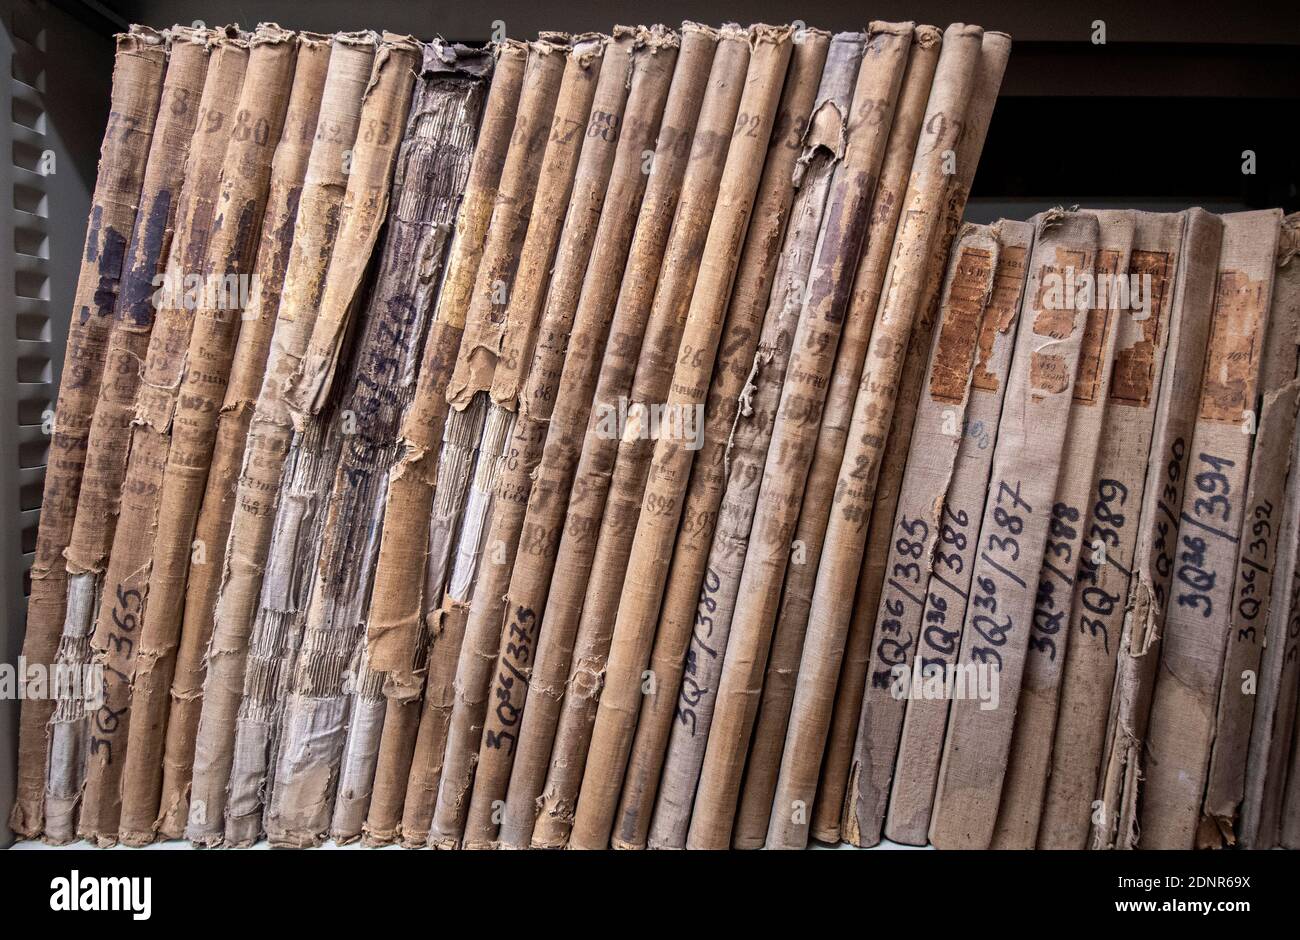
(1050,639)
(592,180)
(430,176)
(120,604)
(1113,814)
(913,760)
(332,619)
(665,802)
(516,745)
(1181,724)
(995,50)
(1013,533)
(792,620)
(269,436)
(212,529)
(794,436)
(161,199)
(231,252)
(442,699)
(1270,541)
(935,447)
(1249,694)
(611,318)
(758,161)
(1103,573)
(923,223)
(599,594)
(770,302)
(139,64)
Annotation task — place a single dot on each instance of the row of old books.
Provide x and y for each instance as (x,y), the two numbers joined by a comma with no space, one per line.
(603,440)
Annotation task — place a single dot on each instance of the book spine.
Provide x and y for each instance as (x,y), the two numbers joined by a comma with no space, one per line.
(794,435)
(213,526)
(683,261)
(431,174)
(1013,534)
(757,183)
(564,465)
(539,120)
(139,65)
(639,371)
(935,447)
(792,619)
(1242,700)
(922,224)
(761,300)
(1114,812)
(1270,735)
(995,49)
(1023,787)
(1181,723)
(121,601)
(748,438)
(1102,577)
(331,609)
(231,251)
(270,432)
(536,404)
(161,198)
(1273,718)
(913,760)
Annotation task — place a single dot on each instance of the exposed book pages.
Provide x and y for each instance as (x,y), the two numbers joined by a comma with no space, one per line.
(1049,641)
(1103,573)
(212,529)
(1181,723)
(228,735)
(1013,533)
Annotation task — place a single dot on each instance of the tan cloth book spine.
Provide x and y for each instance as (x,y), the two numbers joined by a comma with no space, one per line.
(1181,723)
(120,607)
(1013,533)
(162,197)
(792,619)
(138,71)
(922,225)
(1113,814)
(1270,541)
(1023,789)
(734,408)
(213,527)
(1248,694)
(723,324)
(270,433)
(794,436)
(231,252)
(913,760)
(1103,574)
(601,137)
(508,747)
(995,50)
